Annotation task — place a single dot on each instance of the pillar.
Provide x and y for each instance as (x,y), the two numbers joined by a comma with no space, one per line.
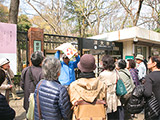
(36,42)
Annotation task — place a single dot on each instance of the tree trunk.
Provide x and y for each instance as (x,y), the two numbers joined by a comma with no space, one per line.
(13,11)
(13,16)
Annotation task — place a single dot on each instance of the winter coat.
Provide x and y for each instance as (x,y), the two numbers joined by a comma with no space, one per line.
(6,112)
(87,89)
(26,83)
(54,101)
(127,79)
(6,86)
(67,75)
(134,75)
(110,79)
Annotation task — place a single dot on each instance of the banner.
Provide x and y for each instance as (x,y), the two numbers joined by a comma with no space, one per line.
(8,44)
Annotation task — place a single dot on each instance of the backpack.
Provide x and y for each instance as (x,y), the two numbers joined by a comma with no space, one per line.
(136,101)
(84,110)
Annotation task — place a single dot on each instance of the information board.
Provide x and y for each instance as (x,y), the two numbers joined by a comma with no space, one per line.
(8,44)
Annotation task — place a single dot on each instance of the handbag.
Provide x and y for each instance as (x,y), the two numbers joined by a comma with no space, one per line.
(30,113)
(85,110)
(120,87)
(152,108)
(136,102)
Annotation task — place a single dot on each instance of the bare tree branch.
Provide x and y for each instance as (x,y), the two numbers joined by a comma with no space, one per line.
(124,21)
(42,17)
(126,8)
(138,12)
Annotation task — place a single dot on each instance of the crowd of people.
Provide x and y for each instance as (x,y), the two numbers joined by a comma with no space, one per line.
(59,96)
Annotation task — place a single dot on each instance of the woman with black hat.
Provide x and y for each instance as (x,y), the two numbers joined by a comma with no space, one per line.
(86,91)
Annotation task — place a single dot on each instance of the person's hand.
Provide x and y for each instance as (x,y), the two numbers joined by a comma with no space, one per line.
(76,54)
(9,86)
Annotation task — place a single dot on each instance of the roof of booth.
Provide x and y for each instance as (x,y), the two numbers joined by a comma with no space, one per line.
(133,34)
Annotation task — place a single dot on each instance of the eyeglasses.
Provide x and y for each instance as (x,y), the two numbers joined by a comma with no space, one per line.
(65,58)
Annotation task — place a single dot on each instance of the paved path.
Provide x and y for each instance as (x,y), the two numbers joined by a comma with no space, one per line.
(17,105)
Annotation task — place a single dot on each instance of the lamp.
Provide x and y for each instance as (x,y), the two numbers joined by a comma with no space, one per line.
(135,39)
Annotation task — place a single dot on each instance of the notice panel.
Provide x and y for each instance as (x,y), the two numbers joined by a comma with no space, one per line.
(8,43)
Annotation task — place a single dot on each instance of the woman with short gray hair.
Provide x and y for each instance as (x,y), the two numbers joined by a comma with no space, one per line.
(53,97)
(50,68)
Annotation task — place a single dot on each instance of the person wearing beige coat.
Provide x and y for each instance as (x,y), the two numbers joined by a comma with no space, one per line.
(109,76)
(87,88)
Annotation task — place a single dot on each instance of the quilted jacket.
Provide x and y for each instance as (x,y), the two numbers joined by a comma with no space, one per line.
(54,101)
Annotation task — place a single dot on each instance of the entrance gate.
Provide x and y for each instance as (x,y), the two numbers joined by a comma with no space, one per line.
(51,41)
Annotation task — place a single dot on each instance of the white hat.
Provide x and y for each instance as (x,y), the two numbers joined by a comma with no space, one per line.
(139,57)
(4,61)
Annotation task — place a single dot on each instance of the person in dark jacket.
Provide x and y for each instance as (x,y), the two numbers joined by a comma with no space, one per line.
(31,76)
(152,80)
(134,72)
(53,97)
(6,112)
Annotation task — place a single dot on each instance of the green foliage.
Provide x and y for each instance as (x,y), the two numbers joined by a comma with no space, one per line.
(16,79)
(23,23)
(3,13)
(157,30)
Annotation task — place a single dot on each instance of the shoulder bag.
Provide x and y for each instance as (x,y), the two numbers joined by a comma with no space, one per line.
(120,87)
(38,103)
(152,108)
(30,112)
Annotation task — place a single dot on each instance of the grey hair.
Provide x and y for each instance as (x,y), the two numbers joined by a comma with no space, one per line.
(50,68)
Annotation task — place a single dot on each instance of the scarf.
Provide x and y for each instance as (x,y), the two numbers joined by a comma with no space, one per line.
(86,75)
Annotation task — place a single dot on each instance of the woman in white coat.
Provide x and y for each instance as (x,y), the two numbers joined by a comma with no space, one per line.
(109,76)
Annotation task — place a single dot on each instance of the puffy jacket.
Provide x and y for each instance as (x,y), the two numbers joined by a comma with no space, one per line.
(67,75)
(136,102)
(54,101)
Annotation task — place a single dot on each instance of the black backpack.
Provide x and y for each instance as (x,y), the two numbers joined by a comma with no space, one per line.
(136,101)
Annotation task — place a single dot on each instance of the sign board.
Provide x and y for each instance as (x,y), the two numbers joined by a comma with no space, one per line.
(129,57)
(8,44)
(37,45)
(97,44)
(68,49)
